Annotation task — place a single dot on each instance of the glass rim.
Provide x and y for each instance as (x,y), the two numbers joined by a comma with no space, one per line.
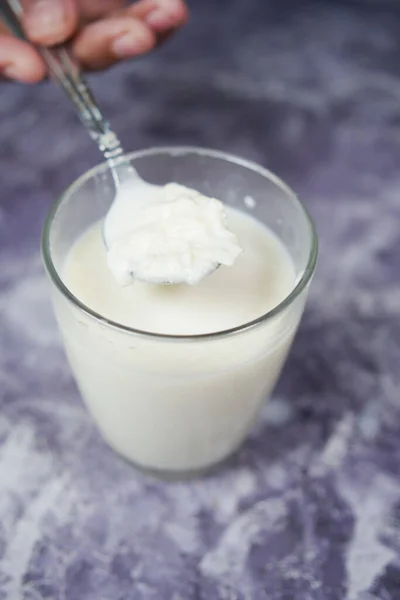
(301,284)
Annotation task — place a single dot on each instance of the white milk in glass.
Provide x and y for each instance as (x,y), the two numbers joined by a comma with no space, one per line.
(176,404)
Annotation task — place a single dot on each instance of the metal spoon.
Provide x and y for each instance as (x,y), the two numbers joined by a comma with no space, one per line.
(65,71)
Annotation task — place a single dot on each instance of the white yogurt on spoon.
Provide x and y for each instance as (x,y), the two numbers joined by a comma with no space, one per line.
(171,234)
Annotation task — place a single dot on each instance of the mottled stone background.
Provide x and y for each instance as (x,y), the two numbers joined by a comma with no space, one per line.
(310,507)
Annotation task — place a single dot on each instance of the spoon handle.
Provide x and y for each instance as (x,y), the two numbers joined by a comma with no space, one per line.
(64,69)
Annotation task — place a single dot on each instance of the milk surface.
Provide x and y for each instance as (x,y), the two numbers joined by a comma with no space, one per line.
(262,276)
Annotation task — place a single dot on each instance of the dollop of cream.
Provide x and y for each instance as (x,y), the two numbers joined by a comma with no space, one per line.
(171,234)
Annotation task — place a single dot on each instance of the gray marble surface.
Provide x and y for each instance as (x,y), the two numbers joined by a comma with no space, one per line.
(310,507)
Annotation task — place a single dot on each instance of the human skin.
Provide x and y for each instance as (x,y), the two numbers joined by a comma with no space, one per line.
(101,32)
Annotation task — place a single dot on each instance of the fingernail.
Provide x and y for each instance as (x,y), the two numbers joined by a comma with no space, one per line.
(45,16)
(159,19)
(127,45)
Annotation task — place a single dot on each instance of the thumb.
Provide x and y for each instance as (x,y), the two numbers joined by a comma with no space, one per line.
(49,22)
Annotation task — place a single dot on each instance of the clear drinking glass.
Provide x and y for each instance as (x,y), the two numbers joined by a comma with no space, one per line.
(178,404)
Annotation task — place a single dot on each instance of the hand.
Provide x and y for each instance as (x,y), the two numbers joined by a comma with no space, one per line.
(102,32)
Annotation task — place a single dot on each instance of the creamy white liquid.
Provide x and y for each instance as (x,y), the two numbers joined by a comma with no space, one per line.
(166,234)
(179,405)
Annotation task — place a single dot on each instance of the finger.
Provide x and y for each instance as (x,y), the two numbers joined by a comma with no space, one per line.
(161,15)
(4,29)
(18,60)
(49,22)
(89,10)
(103,42)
